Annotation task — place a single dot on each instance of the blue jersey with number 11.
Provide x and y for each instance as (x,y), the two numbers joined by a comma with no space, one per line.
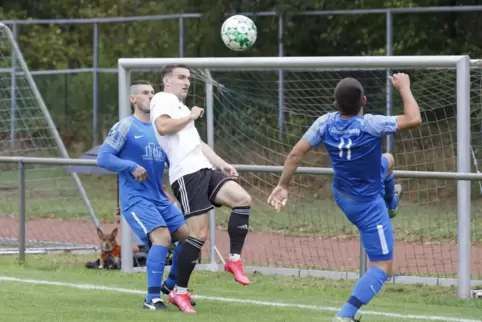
(355,149)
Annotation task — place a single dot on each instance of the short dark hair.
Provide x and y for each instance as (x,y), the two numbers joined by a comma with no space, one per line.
(140,82)
(349,96)
(170,67)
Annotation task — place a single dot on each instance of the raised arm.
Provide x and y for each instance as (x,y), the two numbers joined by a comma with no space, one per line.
(164,106)
(411,111)
(380,125)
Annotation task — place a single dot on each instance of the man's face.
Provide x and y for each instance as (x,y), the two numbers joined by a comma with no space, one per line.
(178,82)
(142,97)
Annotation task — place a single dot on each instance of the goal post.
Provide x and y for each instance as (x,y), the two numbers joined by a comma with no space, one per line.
(458,67)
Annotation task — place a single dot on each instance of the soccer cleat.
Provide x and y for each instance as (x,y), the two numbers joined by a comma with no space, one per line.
(166,290)
(236,267)
(155,305)
(182,301)
(341,319)
(398,194)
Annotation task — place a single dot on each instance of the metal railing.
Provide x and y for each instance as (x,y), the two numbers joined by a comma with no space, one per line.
(22,161)
(96,70)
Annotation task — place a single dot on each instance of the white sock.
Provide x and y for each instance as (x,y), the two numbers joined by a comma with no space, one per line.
(180,290)
(234,257)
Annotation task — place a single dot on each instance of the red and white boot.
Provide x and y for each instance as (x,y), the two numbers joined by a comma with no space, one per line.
(182,301)
(236,268)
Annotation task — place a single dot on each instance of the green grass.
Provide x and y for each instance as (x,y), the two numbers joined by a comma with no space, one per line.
(31,302)
(51,193)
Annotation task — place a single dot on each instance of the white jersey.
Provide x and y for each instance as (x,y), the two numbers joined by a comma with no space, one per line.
(183,148)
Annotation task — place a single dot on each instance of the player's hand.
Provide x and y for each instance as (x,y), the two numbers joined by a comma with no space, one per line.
(400,81)
(140,174)
(196,112)
(229,170)
(278,198)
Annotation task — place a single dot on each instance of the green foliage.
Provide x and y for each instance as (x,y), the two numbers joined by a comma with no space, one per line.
(71,45)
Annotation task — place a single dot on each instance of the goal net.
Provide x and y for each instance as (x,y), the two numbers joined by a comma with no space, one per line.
(259,114)
(59,213)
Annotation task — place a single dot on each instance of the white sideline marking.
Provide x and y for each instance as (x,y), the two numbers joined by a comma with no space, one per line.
(242,301)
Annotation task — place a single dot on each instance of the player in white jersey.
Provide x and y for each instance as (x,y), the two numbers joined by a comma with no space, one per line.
(199,178)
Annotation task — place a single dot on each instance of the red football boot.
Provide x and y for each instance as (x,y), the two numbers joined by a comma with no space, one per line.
(182,301)
(236,267)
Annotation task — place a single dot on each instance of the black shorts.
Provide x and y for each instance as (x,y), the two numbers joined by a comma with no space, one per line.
(196,191)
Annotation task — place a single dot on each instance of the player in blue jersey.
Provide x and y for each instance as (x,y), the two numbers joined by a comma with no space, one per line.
(363,185)
(131,150)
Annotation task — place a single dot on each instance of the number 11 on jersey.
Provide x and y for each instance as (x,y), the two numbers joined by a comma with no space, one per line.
(346,147)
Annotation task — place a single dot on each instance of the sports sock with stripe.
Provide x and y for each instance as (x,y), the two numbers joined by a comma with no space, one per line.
(187,260)
(364,291)
(238,226)
(156,261)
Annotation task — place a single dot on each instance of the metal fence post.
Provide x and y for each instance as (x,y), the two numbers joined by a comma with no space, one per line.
(463,186)
(95,88)
(13,90)
(181,36)
(389,37)
(281,97)
(210,142)
(21,210)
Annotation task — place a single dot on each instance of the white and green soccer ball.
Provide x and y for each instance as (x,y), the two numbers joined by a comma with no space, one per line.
(239,33)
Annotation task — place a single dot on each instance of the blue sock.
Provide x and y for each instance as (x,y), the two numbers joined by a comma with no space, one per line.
(365,290)
(171,278)
(390,199)
(156,260)
(389,186)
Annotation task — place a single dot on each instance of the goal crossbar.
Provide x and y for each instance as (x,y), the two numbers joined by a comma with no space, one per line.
(297,62)
(461,64)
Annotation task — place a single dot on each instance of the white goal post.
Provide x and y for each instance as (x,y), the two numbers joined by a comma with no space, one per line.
(459,64)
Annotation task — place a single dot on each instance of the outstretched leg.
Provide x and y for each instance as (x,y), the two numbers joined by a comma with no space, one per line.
(376,233)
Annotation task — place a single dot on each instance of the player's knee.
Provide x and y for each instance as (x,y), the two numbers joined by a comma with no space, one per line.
(240,197)
(160,236)
(244,199)
(386,266)
(198,226)
(233,195)
(391,161)
(181,234)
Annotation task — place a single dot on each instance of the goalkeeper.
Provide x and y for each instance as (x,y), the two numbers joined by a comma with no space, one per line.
(131,150)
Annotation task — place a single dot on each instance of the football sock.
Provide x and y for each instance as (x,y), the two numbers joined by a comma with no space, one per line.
(238,226)
(390,191)
(156,260)
(364,291)
(171,278)
(187,260)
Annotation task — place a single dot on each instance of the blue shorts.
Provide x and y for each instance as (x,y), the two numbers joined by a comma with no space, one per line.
(372,220)
(144,216)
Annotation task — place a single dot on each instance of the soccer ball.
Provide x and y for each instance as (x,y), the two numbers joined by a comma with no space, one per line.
(239,33)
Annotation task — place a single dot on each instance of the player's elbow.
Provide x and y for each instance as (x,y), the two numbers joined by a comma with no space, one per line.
(409,122)
(414,122)
(162,127)
(102,160)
